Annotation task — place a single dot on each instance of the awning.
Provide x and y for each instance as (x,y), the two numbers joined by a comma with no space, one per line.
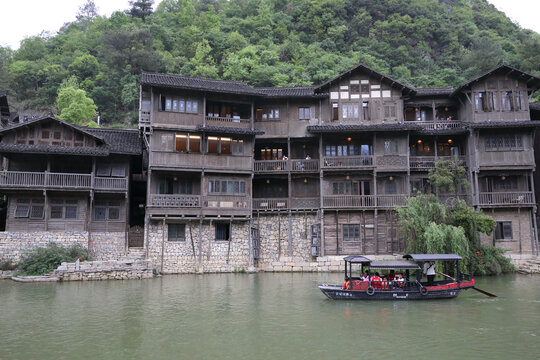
(357,260)
(433,257)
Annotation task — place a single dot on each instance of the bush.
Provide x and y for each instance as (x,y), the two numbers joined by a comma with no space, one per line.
(43,260)
(489,260)
(7,265)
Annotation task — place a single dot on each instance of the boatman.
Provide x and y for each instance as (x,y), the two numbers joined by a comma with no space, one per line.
(429,270)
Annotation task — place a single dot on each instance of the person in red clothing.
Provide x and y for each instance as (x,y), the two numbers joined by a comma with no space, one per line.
(376,280)
(391,276)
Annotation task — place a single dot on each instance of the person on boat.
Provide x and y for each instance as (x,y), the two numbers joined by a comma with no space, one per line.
(366,276)
(391,275)
(399,277)
(376,280)
(429,271)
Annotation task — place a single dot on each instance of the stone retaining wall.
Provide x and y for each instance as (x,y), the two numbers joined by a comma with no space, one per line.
(106,245)
(105,270)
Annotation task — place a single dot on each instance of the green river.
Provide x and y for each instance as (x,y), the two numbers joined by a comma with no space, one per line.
(262,316)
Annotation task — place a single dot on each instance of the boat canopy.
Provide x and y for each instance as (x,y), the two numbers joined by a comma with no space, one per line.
(433,257)
(398,264)
(357,260)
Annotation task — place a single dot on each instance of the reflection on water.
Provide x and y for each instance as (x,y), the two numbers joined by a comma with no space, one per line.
(261,316)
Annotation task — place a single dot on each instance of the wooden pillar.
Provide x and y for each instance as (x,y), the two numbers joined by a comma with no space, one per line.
(337,231)
(204,110)
(533,211)
(321,195)
(162,245)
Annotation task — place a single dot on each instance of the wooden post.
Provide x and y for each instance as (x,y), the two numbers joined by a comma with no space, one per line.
(162,245)
(321,195)
(337,231)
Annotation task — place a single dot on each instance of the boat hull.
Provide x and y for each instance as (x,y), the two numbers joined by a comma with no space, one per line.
(338,293)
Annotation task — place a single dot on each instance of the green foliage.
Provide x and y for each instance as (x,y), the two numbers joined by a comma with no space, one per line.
(448,175)
(7,265)
(75,107)
(490,260)
(44,260)
(263,42)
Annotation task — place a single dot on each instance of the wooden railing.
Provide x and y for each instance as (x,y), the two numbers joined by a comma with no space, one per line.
(227,120)
(106,183)
(428,162)
(348,201)
(300,165)
(24,179)
(270,204)
(440,125)
(389,162)
(226,201)
(175,200)
(19,179)
(305,203)
(514,198)
(341,162)
(262,166)
(392,200)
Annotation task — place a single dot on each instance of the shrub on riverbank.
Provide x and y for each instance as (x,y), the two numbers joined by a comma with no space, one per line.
(489,260)
(45,259)
(7,265)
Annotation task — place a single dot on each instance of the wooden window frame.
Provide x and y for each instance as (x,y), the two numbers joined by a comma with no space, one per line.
(347,229)
(504,231)
(174,235)
(223,231)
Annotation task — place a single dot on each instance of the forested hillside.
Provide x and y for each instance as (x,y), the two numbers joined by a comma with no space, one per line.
(425,43)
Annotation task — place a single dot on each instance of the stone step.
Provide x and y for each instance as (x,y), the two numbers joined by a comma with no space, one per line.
(135,253)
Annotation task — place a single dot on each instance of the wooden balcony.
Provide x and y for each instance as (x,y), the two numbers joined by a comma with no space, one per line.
(506,199)
(364,201)
(439,124)
(226,202)
(348,162)
(424,163)
(176,160)
(305,203)
(277,166)
(60,181)
(392,162)
(175,201)
(227,121)
(506,159)
(272,204)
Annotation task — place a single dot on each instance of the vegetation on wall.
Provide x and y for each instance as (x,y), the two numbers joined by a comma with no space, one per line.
(429,226)
(46,259)
(426,43)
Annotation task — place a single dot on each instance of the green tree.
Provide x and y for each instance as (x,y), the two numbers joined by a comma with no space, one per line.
(140,8)
(449,175)
(74,106)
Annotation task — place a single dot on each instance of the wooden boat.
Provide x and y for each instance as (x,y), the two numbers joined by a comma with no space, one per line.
(355,288)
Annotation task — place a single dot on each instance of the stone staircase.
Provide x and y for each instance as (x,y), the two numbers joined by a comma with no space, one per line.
(530,266)
(135,253)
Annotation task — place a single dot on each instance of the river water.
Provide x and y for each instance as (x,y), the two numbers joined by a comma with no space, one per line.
(262,316)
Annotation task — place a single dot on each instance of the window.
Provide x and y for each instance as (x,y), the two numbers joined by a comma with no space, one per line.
(237,147)
(519,102)
(345,188)
(364,88)
(226,187)
(223,231)
(486,101)
(167,142)
(503,230)
(365,110)
(22,209)
(267,114)
(350,111)
(271,154)
(118,170)
(390,110)
(390,147)
(351,232)
(503,143)
(107,210)
(509,183)
(185,142)
(507,101)
(63,209)
(335,112)
(176,232)
(179,104)
(103,169)
(224,145)
(355,88)
(304,113)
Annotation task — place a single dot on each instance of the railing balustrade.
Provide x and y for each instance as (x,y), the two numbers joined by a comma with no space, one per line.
(227,119)
(226,201)
(270,165)
(440,125)
(26,179)
(514,198)
(348,201)
(304,164)
(347,161)
(270,204)
(175,200)
(428,162)
(300,165)
(392,200)
(64,180)
(21,179)
(105,183)
(305,203)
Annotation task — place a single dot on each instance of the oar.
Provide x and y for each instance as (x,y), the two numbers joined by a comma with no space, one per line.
(475,288)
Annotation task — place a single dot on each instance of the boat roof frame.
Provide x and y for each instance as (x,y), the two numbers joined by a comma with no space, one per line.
(433,257)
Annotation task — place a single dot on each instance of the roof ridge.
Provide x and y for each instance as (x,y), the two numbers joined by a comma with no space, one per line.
(199,78)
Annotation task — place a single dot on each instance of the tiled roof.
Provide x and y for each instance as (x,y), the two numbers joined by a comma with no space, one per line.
(534,80)
(361,128)
(296,91)
(229,130)
(195,83)
(504,124)
(120,141)
(447,91)
(55,149)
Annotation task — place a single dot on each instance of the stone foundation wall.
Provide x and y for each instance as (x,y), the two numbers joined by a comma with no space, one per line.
(105,270)
(106,245)
(198,253)
(277,243)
